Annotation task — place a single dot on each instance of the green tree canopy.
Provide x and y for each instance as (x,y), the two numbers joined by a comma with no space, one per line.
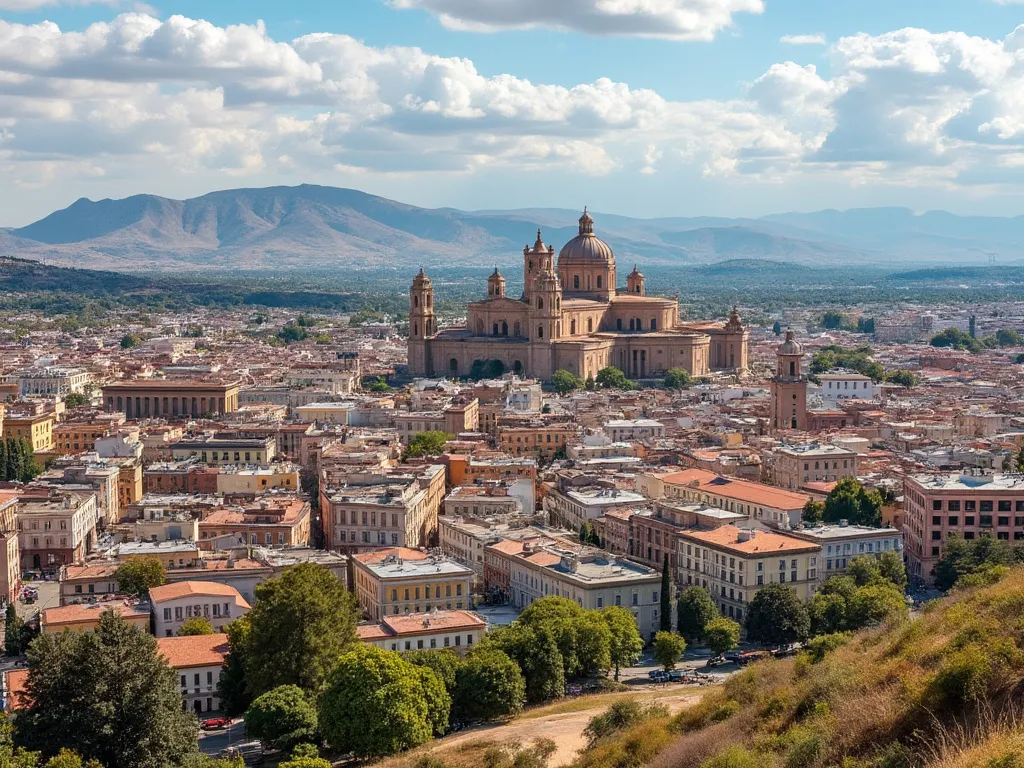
(232,686)
(375,704)
(583,638)
(857,359)
(197,625)
(565,381)
(961,559)
(957,339)
(777,328)
(489,686)
(777,616)
(668,648)
(130,340)
(678,378)
(612,378)
(444,662)
(301,622)
(874,604)
(903,377)
(17,634)
(721,635)
(694,609)
(108,695)
(849,500)
(813,511)
(140,574)
(626,642)
(665,595)
(536,652)
(282,718)
(429,443)
(893,570)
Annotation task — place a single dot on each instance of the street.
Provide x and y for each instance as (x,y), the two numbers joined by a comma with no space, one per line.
(215,742)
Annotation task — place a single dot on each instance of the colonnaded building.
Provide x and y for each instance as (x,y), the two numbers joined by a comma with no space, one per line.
(571,316)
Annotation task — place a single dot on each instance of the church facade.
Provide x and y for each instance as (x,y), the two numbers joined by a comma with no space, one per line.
(571,316)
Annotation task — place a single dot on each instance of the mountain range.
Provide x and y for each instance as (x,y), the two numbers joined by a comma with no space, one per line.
(279,228)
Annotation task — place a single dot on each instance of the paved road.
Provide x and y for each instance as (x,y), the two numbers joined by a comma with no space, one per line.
(214,742)
(49,597)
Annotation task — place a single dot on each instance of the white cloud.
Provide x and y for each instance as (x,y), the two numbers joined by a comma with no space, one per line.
(32,5)
(803,40)
(668,19)
(147,103)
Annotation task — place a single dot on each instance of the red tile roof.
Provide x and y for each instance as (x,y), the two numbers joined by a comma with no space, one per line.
(379,555)
(200,588)
(761,543)
(194,651)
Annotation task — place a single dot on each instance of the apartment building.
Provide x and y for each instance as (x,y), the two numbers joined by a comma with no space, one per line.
(841,543)
(58,530)
(253,479)
(272,520)
(396,507)
(174,604)
(10,554)
(198,660)
(398,580)
(51,380)
(733,563)
(968,505)
(793,466)
(654,531)
(571,507)
(541,440)
(592,579)
(36,428)
(845,386)
(221,449)
(619,430)
(454,419)
(459,631)
(775,507)
(85,618)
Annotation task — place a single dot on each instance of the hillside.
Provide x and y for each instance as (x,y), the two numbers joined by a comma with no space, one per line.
(327,228)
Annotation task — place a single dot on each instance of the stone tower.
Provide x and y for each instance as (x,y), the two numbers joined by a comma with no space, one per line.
(536,260)
(789,387)
(496,285)
(635,282)
(545,323)
(422,324)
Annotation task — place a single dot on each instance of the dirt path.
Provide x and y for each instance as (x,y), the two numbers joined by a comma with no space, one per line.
(564,728)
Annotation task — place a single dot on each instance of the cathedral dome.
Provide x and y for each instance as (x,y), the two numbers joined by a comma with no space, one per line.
(586,246)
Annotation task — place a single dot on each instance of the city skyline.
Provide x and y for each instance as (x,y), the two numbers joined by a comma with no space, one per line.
(724,107)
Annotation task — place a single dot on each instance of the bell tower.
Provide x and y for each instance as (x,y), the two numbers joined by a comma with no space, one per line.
(422,325)
(545,323)
(789,387)
(496,285)
(635,282)
(536,260)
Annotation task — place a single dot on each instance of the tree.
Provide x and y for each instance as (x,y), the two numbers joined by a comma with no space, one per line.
(565,381)
(488,686)
(582,636)
(832,320)
(777,617)
(814,510)
(76,400)
(197,625)
(16,633)
(429,443)
(903,377)
(864,570)
(374,703)
(439,702)
(694,610)
(232,687)
(828,613)
(626,642)
(282,718)
(777,328)
(875,604)
(892,569)
(957,339)
(668,647)
(849,500)
(108,695)
(972,326)
(130,340)
(443,662)
(963,559)
(305,762)
(301,622)
(678,378)
(536,652)
(18,460)
(140,574)
(612,378)
(376,384)
(665,617)
(721,635)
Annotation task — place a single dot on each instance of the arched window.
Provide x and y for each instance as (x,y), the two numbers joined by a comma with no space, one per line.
(638,287)
(618,324)
(598,281)
(415,329)
(654,323)
(590,325)
(430,300)
(639,324)
(576,281)
(415,301)
(631,322)
(540,331)
(453,365)
(540,302)
(792,369)
(504,328)
(515,329)
(494,329)
(572,328)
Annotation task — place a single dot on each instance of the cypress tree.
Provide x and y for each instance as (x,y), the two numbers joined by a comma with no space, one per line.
(665,619)
(3,460)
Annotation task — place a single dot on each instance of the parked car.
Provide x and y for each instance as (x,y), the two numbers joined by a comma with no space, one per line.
(215,723)
(675,675)
(658,676)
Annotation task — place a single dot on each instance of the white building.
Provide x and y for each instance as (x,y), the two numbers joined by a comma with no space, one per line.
(572,508)
(198,661)
(841,543)
(457,630)
(174,604)
(843,386)
(51,380)
(633,429)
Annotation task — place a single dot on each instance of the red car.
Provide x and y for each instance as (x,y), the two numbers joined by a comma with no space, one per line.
(215,723)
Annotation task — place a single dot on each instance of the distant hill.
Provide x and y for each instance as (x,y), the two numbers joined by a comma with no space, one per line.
(280,228)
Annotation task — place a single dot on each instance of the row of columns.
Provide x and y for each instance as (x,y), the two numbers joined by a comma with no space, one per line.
(153,407)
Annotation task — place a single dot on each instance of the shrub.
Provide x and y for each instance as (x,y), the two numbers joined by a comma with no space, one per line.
(819,647)
(621,715)
(964,676)
(712,708)
(734,757)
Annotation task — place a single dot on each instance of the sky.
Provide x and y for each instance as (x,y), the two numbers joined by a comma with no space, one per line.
(638,107)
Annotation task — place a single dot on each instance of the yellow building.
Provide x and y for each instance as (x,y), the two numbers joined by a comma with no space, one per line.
(253,480)
(541,440)
(86,617)
(76,437)
(37,429)
(734,563)
(398,580)
(129,483)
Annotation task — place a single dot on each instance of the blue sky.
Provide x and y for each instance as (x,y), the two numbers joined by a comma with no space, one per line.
(661,107)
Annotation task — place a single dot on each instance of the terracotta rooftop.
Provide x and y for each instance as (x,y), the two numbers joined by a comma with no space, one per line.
(199,588)
(741,490)
(16,679)
(77,614)
(194,651)
(421,624)
(762,542)
(379,555)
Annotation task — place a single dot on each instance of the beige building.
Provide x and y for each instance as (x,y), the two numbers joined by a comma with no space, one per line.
(36,428)
(398,580)
(396,508)
(198,661)
(573,316)
(85,618)
(734,563)
(219,450)
(167,398)
(796,465)
(58,530)
(253,480)
(457,630)
(174,604)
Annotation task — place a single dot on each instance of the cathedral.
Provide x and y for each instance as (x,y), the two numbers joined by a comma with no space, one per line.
(573,316)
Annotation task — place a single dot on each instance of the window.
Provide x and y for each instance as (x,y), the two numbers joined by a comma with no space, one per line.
(1004,506)
(986,506)
(937,504)
(954,505)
